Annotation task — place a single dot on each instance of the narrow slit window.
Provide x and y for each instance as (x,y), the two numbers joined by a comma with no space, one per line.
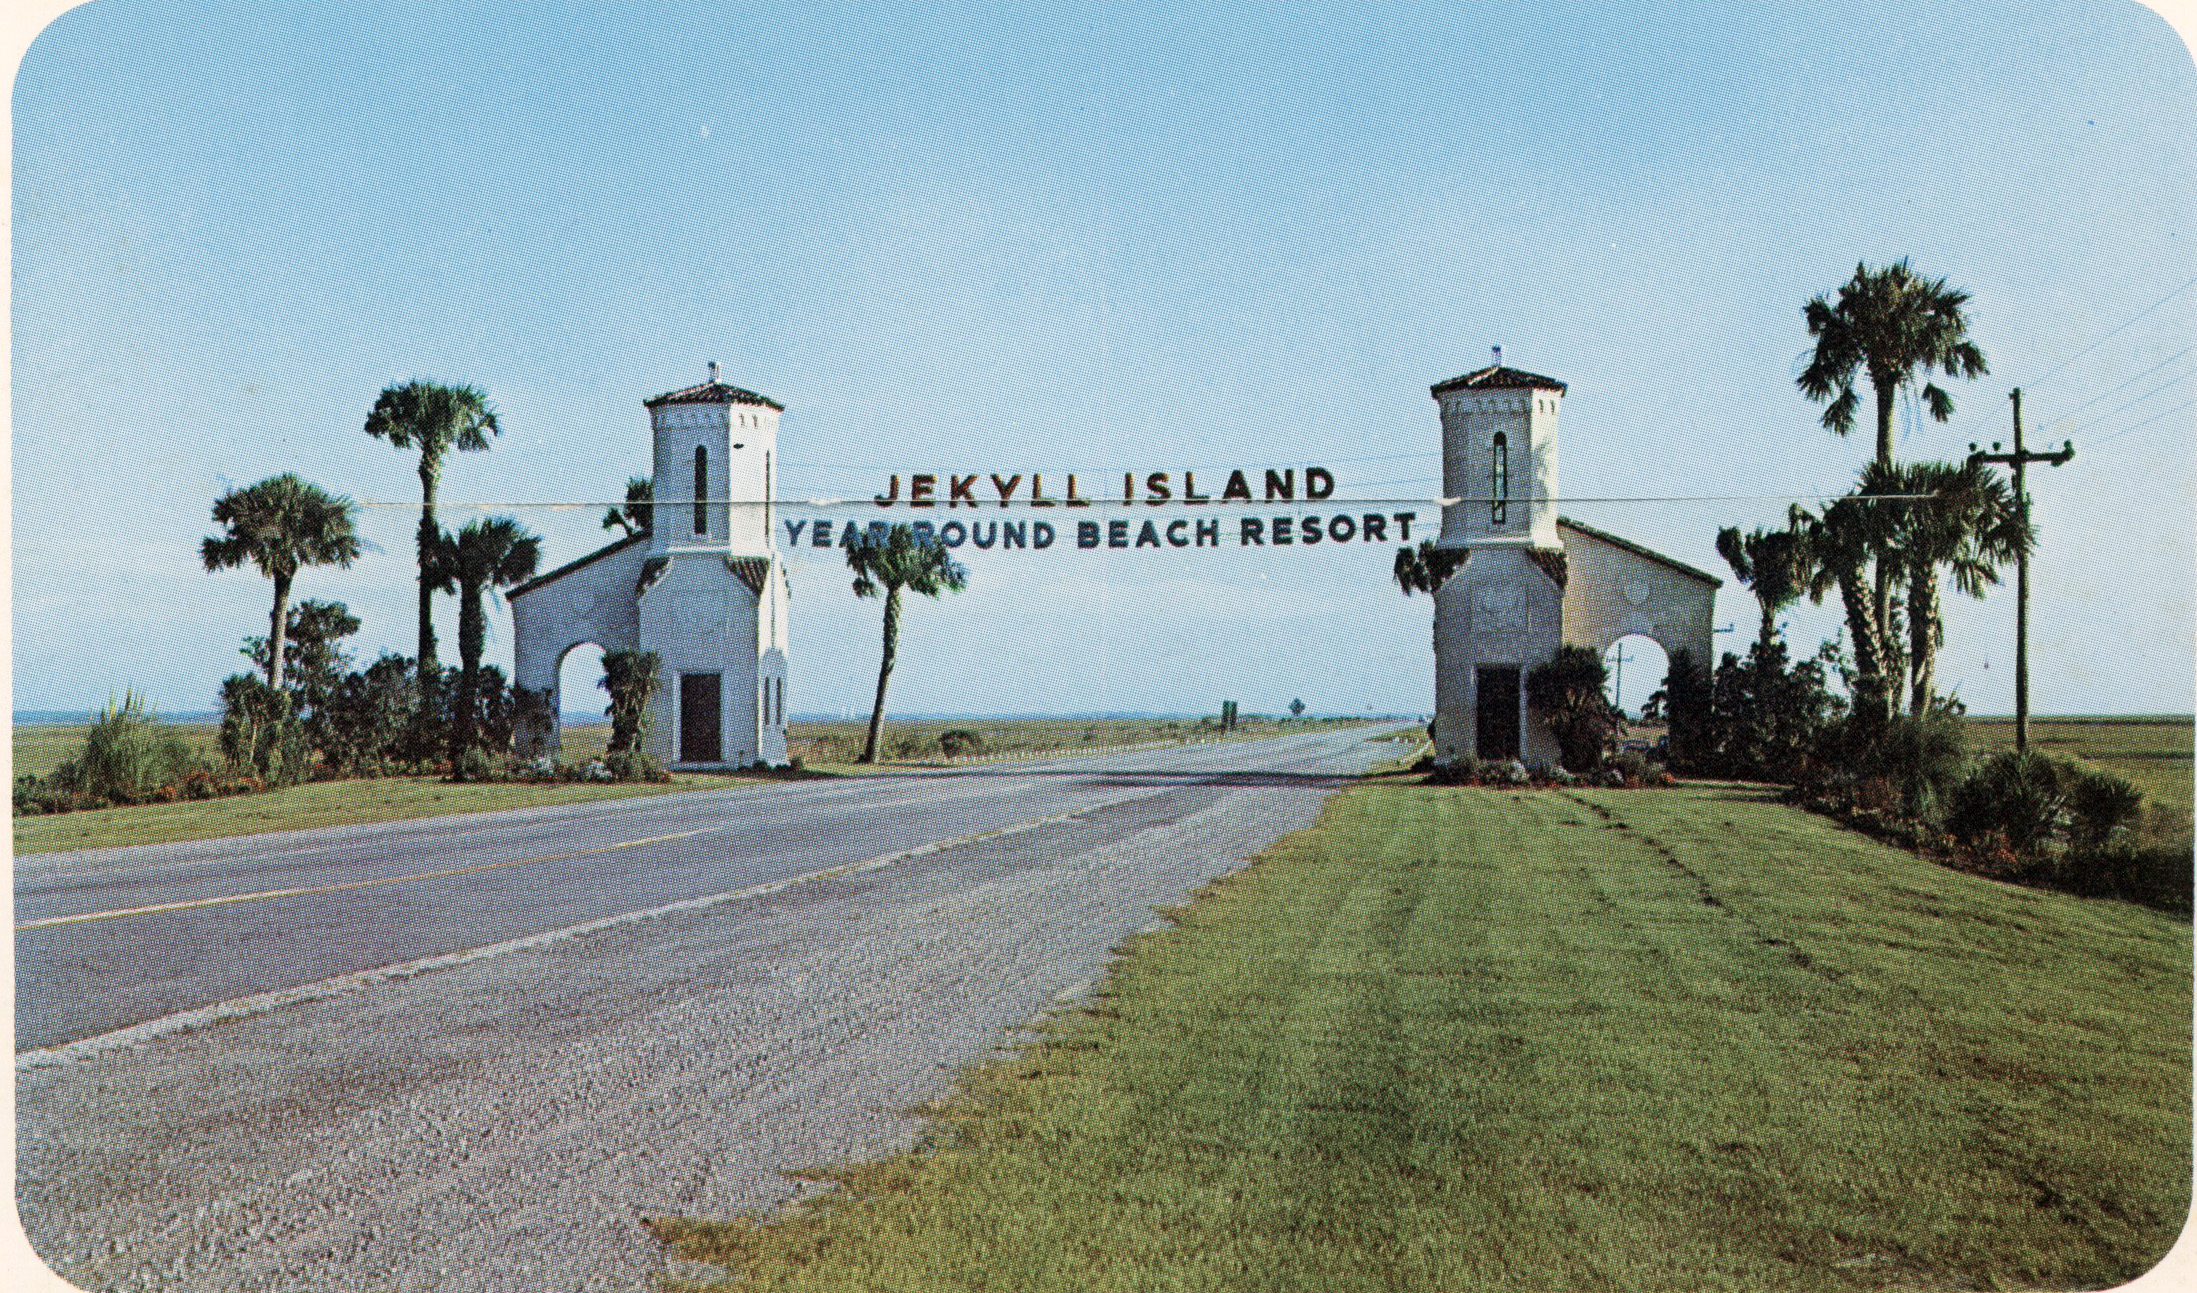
(1498,478)
(766,496)
(701,489)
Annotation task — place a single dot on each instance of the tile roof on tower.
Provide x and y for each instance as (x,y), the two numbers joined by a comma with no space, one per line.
(712,392)
(1495,377)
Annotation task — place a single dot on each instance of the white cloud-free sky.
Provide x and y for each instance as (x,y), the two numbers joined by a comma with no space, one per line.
(1083,238)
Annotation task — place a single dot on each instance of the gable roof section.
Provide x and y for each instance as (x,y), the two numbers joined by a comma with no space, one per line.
(570,566)
(1495,378)
(1566,523)
(712,393)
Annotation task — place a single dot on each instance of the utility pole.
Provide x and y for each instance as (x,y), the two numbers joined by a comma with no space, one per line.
(2019,459)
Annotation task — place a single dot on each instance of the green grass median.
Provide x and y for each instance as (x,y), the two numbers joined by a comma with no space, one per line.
(1476,1040)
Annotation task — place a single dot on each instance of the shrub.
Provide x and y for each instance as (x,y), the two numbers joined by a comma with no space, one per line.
(633,765)
(128,754)
(1566,690)
(631,679)
(1922,756)
(2103,806)
(1461,772)
(251,717)
(474,765)
(2022,795)
(960,742)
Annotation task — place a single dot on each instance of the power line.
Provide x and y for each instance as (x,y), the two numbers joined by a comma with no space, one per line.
(2062,366)
(2131,404)
(2185,404)
(2124,385)
(2036,381)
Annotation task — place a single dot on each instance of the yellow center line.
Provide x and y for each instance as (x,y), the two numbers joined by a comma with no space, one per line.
(357,884)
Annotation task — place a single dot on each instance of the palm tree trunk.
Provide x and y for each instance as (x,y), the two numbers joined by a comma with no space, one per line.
(279,621)
(1922,637)
(429,471)
(884,671)
(472,635)
(1887,395)
(1872,699)
(1881,606)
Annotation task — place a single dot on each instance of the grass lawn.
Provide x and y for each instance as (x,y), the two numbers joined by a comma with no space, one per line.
(1469,1039)
(321,803)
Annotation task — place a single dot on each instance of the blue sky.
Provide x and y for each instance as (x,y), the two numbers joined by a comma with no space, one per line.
(1080,238)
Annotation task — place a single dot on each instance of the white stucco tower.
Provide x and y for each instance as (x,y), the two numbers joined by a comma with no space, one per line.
(1503,612)
(704,587)
(1532,580)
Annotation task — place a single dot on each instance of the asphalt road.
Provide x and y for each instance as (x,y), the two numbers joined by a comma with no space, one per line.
(115,937)
(286,1062)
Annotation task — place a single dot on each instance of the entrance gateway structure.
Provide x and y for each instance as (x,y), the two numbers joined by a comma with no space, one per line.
(1533,580)
(703,587)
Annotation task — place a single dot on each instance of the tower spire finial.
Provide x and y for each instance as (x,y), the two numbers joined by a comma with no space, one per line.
(713,372)
(1498,357)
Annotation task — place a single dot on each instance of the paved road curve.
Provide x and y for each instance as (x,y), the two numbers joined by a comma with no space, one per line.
(501,1122)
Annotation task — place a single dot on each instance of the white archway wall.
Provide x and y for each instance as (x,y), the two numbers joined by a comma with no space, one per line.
(589,602)
(1613,591)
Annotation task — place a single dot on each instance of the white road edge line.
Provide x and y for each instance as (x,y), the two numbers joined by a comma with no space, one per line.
(266,1002)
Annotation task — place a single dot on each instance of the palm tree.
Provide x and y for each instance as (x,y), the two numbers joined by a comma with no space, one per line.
(1426,568)
(899,562)
(639,510)
(1968,527)
(279,525)
(1771,564)
(1839,546)
(434,419)
(1894,325)
(493,552)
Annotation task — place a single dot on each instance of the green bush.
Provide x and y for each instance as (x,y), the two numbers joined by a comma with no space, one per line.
(633,765)
(631,678)
(474,765)
(128,754)
(2103,805)
(2020,795)
(1566,691)
(252,715)
(960,742)
(1921,756)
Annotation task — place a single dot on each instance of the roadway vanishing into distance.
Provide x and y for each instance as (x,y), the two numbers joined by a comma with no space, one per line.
(473,1052)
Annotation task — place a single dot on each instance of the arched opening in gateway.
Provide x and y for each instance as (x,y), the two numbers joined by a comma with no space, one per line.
(1636,665)
(583,707)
